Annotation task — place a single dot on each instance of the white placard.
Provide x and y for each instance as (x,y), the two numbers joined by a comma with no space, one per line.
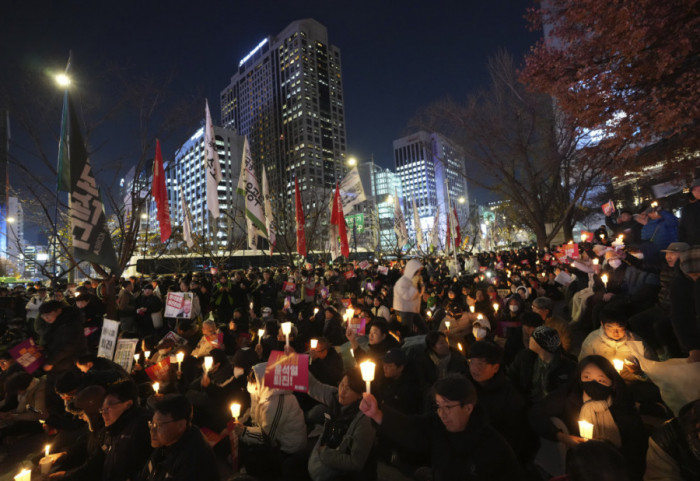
(108,339)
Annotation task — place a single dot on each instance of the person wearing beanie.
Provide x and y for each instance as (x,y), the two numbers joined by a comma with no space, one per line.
(518,338)
(505,406)
(545,308)
(542,367)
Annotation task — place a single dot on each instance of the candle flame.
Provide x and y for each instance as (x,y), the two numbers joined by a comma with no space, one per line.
(235,410)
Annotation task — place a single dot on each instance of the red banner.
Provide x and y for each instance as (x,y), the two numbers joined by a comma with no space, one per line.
(570,251)
(160,195)
(289,286)
(289,372)
(160,371)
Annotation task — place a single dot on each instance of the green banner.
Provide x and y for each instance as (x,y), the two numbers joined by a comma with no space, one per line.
(356,221)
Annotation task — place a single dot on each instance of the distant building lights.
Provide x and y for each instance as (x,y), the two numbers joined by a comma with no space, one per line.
(245,59)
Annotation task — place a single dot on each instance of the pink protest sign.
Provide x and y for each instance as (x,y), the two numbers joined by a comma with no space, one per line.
(608,208)
(289,372)
(358,325)
(383,270)
(289,287)
(364,265)
(570,251)
(27,355)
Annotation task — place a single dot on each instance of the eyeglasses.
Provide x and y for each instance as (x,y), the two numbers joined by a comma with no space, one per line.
(108,407)
(157,426)
(445,408)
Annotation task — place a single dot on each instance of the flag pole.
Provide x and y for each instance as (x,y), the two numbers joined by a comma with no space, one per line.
(63,151)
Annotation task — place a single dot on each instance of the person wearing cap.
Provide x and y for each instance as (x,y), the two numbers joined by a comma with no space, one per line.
(654,324)
(545,308)
(542,367)
(456,433)
(148,307)
(399,387)
(180,452)
(689,224)
(685,302)
(505,406)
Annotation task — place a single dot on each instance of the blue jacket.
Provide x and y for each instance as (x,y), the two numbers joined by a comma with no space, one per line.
(661,232)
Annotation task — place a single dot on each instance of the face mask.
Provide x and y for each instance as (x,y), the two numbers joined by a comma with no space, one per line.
(597,391)
(615,263)
(252,388)
(479,332)
(514,308)
(238,372)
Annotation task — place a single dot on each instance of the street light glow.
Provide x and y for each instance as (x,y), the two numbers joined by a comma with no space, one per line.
(144,216)
(390,198)
(352,161)
(63,80)
(461,200)
(11,220)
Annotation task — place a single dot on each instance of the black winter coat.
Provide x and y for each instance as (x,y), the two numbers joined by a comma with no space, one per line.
(65,340)
(127,445)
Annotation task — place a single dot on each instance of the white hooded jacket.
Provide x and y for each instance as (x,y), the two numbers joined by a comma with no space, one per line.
(276,415)
(406,296)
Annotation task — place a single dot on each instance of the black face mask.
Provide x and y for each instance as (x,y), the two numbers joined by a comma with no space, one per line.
(597,391)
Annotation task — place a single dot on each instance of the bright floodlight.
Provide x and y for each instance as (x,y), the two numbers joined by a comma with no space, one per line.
(462,200)
(352,161)
(10,220)
(63,80)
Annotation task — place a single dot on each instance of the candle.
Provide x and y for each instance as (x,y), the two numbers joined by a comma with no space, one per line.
(315,311)
(471,309)
(619,364)
(447,325)
(596,261)
(429,313)
(585,429)
(261,333)
(156,387)
(137,356)
(459,346)
(367,369)
(496,306)
(479,317)
(583,237)
(286,330)
(208,363)
(235,411)
(46,462)
(47,450)
(314,343)
(24,475)
(604,278)
(602,236)
(349,313)
(146,355)
(180,356)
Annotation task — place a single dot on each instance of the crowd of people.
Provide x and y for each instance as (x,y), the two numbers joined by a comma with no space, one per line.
(518,364)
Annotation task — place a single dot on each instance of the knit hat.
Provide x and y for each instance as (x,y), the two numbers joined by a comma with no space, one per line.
(547,338)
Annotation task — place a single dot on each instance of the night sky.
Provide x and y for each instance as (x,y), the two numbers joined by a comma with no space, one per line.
(397,57)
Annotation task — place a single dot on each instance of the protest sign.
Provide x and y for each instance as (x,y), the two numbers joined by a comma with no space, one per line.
(289,286)
(383,270)
(108,339)
(350,274)
(178,305)
(570,251)
(358,325)
(608,208)
(27,355)
(160,371)
(364,265)
(287,371)
(124,355)
(179,341)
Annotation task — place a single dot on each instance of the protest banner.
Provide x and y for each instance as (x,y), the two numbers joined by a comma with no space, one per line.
(28,355)
(178,305)
(160,371)
(124,355)
(364,265)
(358,325)
(383,270)
(570,251)
(287,371)
(179,341)
(108,339)
(350,274)
(608,208)
(289,286)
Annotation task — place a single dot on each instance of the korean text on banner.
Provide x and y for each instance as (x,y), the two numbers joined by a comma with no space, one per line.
(287,371)
(108,340)
(124,355)
(178,305)
(27,355)
(160,372)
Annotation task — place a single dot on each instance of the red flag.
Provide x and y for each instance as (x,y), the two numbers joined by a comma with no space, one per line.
(449,237)
(338,218)
(301,234)
(160,195)
(458,235)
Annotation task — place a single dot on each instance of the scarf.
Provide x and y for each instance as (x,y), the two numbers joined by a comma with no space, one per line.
(598,414)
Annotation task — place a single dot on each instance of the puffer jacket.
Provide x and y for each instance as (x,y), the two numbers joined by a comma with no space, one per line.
(406,296)
(598,343)
(276,416)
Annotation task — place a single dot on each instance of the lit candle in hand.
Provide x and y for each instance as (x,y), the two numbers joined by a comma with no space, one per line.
(146,355)
(137,356)
(495,307)
(286,330)
(619,364)
(367,369)
(156,387)
(604,278)
(24,475)
(472,309)
(447,325)
(235,411)
(585,429)
(314,343)
(180,356)
(208,363)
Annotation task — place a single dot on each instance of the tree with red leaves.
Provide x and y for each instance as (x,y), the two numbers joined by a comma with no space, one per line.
(627,69)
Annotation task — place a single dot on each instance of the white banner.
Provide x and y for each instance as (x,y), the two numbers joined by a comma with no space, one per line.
(351,190)
(124,356)
(108,339)
(249,188)
(269,218)
(211,164)
(399,223)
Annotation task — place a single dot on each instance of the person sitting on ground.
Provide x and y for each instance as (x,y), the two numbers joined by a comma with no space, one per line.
(545,308)
(180,451)
(437,361)
(461,443)
(596,394)
(518,338)
(543,367)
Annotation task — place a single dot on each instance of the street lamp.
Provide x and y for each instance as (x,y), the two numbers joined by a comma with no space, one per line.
(390,198)
(461,200)
(62,80)
(352,161)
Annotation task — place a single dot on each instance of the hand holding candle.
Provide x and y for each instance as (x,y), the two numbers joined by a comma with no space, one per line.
(367,369)
(604,278)
(180,356)
(619,364)
(208,363)
(235,411)
(46,462)
(156,387)
(24,475)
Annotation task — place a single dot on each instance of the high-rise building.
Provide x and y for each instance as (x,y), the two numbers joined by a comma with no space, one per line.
(4,163)
(15,234)
(427,163)
(287,97)
(380,186)
(187,171)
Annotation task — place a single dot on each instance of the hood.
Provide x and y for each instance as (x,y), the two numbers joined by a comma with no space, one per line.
(265,392)
(412,267)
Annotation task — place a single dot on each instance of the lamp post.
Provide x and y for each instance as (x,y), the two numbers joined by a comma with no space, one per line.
(144,217)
